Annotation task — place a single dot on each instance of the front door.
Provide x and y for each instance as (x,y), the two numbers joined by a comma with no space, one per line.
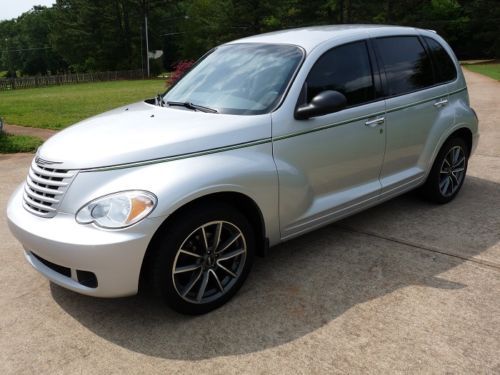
(329,165)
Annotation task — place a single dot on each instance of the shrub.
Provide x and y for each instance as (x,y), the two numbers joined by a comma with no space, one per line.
(180,68)
(10,143)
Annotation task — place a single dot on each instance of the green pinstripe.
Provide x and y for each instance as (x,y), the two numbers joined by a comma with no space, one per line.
(263,140)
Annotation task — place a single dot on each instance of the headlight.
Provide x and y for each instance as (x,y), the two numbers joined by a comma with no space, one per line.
(117,210)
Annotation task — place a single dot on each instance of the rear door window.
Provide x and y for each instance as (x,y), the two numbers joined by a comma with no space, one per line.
(406,63)
(444,67)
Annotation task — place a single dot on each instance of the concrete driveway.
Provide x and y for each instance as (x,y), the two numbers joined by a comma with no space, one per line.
(404,287)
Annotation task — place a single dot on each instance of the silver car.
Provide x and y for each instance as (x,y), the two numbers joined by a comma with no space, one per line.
(264,139)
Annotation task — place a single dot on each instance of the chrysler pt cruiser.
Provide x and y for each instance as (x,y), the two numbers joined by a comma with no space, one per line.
(264,139)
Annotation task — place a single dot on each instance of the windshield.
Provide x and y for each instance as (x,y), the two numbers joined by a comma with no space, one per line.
(243,79)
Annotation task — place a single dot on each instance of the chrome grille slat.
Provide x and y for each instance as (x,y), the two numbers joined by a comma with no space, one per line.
(34,194)
(36,211)
(45,188)
(31,201)
(50,172)
(45,181)
(42,189)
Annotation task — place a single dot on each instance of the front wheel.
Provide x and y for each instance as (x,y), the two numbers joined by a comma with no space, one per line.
(203,258)
(448,172)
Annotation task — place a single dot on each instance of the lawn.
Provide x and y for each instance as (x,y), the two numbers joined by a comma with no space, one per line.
(18,143)
(491,70)
(56,107)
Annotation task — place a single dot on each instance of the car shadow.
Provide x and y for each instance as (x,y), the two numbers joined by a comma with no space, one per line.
(300,286)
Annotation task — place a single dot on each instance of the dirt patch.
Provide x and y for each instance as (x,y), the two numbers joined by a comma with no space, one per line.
(25,130)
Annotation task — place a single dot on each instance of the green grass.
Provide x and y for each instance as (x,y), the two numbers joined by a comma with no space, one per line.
(491,70)
(56,107)
(10,143)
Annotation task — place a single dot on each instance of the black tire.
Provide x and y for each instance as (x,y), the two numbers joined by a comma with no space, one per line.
(187,226)
(433,188)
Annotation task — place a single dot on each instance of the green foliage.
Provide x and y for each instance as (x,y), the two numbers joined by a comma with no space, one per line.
(26,44)
(96,35)
(10,143)
(56,107)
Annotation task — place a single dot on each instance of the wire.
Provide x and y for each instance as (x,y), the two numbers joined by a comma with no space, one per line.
(27,49)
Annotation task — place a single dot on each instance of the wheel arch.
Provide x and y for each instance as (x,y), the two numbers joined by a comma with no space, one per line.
(463,133)
(246,205)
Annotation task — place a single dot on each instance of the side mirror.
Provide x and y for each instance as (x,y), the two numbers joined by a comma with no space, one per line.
(325,102)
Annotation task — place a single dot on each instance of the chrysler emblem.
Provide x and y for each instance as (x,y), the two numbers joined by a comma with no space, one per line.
(41,161)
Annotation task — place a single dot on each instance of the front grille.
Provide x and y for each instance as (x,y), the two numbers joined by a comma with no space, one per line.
(44,188)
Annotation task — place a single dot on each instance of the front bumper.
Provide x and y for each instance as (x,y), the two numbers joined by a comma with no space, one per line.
(113,256)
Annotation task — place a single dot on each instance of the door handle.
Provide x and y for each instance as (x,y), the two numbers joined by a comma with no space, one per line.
(441,103)
(375,122)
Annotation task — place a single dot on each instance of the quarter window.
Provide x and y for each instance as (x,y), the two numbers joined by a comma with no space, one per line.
(444,66)
(407,65)
(345,69)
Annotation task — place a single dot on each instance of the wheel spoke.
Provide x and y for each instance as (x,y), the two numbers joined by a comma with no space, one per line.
(446,161)
(205,241)
(189,253)
(218,231)
(191,267)
(232,254)
(456,154)
(462,159)
(229,243)
(458,170)
(188,287)
(444,185)
(451,184)
(221,288)
(226,270)
(203,287)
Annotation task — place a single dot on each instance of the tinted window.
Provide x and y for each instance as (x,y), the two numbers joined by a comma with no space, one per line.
(345,69)
(444,66)
(407,65)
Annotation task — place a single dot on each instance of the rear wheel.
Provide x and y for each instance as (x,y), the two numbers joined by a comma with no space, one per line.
(203,258)
(448,172)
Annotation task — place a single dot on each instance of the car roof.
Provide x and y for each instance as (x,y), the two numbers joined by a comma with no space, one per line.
(310,37)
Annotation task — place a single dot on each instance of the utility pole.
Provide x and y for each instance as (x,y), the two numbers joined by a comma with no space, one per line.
(147,41)
(7,52)
(142,58)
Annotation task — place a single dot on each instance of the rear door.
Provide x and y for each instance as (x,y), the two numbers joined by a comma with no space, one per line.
(416,106)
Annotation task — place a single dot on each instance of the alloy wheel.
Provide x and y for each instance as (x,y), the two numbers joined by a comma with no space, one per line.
(452,171)
(209,262)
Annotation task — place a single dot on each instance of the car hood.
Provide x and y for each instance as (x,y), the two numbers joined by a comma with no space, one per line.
(142,131)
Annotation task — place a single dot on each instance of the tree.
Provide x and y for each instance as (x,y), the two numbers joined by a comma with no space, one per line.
(96,35)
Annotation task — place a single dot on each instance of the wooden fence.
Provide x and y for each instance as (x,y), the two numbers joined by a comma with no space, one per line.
(63,79)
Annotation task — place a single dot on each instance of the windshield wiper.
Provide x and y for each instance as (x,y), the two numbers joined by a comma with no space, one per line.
(192,106)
